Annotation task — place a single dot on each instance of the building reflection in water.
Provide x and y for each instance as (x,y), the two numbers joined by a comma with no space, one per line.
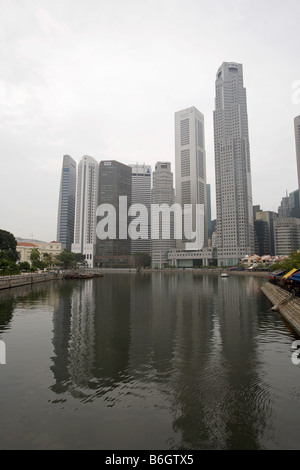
(220,400)
(90,337)
(180,343)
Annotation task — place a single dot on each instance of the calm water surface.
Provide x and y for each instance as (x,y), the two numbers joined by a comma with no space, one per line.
(147,361)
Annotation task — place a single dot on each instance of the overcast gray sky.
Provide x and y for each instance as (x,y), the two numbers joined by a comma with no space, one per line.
(105,77)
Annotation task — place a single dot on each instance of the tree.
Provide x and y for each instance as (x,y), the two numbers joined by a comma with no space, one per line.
(8,246)
(80,259)
(142,259)
(24,266)
(35,258)
(293,261)
(48,260)
(67,259)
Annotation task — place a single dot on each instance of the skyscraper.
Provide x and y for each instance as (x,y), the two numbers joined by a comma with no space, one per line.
(284,210)
(232,166)
(66,203)
(162,193)
(208,211)
(115,181)
(141,194)
(297,141)
(86,205)
(190,163)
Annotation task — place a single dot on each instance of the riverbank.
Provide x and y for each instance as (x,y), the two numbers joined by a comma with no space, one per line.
(216,271)
(8,282)
(284,302)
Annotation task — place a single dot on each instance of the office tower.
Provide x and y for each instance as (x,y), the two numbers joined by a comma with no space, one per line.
(264,232)
(232,166)
(284,210)
(162,193)
(297,142)
(294,204)
(66,203)
(190,164)
(141,194)
(208,211)
(85,212)
(287,235)
(115,181)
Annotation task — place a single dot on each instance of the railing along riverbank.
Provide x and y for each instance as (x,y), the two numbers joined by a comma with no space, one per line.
(8,282)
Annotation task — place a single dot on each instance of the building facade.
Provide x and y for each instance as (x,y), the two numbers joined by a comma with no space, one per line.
(162,193)
(85,211)
(264,232)
(66,203)
(287,235)
(115,182)
(284,210)
(297,142)
(141,194)
(232,166)
(190,165)
(50,248)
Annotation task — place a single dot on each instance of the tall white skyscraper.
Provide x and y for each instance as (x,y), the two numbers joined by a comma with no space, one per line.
(297,141)
(190,163)
(162,193)
(232,165)
(141,194)
(85,212)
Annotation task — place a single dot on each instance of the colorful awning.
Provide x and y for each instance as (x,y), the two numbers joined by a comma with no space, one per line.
(287,275)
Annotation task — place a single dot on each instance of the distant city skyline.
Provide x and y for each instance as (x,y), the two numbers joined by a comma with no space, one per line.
(105,79)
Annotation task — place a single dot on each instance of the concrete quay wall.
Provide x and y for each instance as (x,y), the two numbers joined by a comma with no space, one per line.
(8,282)
(287,305)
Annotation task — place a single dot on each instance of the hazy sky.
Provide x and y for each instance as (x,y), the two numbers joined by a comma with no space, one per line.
(105,77)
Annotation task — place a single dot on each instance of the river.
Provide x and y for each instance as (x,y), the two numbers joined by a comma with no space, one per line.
(163,361)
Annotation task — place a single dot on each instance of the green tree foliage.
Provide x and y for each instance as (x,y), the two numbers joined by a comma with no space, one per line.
(80,259)
(293,261)
(8,253)
(24,266)
(142,259)
(8,246)
(69,260)
(48,260)
(35,258)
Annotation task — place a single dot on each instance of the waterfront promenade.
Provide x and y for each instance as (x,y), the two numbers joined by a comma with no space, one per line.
(284,302)
(8,282)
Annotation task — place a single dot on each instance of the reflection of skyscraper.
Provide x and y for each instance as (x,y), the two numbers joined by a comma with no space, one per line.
(86,205)
(232,162)
(66,204)
(162,193)
(74,338)
(82,340)
(62,318)
(141,194)
(91,337)
(190,163)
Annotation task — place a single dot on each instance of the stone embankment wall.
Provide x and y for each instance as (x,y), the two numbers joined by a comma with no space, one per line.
(7,282)
(285,303)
